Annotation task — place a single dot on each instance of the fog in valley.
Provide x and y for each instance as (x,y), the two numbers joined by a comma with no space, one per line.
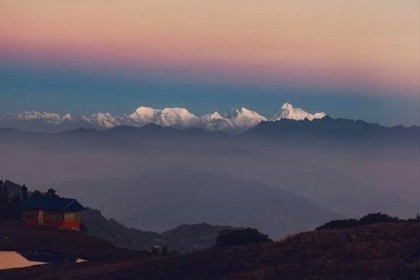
(156,179)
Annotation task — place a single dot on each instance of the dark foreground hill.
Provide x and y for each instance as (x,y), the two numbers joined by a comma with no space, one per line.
(14,236)
(379,251)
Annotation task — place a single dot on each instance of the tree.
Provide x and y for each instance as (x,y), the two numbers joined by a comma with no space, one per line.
(51,192)
(4,199)
(238,237)
(24,191)
(377,218)
(37,193)
(4,196)
(15,200)
(14,211)
(340,224)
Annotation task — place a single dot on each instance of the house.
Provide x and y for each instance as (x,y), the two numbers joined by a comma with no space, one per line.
(52,211)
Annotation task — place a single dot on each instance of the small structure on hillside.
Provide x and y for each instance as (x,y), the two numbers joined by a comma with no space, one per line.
(52,211)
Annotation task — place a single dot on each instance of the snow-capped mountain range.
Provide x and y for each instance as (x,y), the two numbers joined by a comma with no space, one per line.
(234,121)
(287,111)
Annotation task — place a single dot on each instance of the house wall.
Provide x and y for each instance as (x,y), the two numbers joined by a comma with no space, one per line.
(53,216)
(67,220)
(52,219)
(71,220)
(30,217)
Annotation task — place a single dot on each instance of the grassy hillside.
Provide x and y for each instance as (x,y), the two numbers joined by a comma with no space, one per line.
(379,251)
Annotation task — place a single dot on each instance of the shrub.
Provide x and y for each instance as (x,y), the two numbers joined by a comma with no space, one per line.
(377,218)
(340,224)
(239,237)
(369,219)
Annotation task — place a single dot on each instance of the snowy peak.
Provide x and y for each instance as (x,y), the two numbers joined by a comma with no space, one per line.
(215,116)
(176,117)
(214,121)
(287,106)
(145,112)
(43,116)
(245,118)
(105,120)
(142,116)
(287,111)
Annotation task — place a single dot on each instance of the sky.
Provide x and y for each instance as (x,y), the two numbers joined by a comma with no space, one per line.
(356,59)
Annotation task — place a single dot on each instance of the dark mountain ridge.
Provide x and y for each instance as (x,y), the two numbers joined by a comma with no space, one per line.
(335,129)
(318,129)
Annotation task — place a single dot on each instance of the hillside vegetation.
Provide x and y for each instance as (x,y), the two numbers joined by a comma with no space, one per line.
(378,251)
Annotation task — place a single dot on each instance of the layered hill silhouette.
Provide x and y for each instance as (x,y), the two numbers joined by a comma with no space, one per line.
(305,130)
(182,239)
(162,200)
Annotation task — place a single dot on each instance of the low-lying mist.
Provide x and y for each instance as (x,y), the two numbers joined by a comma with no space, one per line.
(122,172)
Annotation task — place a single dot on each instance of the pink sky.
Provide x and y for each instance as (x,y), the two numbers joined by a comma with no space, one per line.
(335,43)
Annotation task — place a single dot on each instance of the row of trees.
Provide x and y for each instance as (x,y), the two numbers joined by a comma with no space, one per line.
(12,195)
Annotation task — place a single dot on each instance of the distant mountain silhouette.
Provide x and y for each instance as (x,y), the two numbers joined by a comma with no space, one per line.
(328,128)
(156,131)
(317,130)
(182,239)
